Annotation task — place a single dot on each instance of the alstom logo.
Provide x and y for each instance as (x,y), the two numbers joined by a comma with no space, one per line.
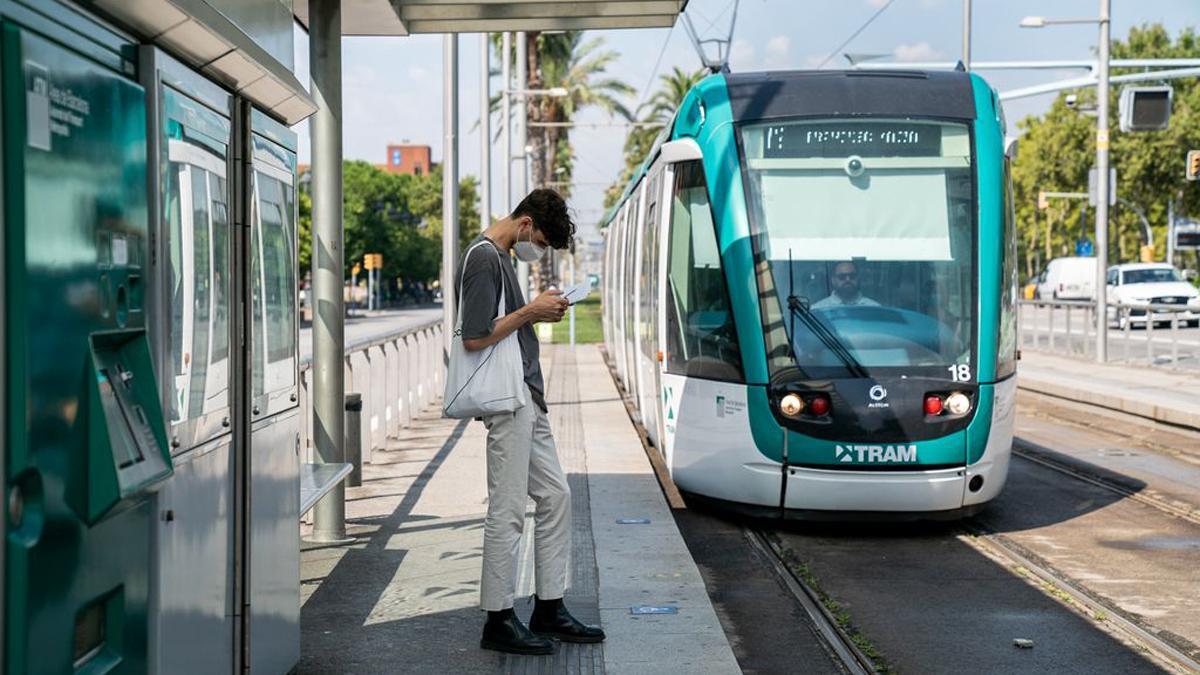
(876,453)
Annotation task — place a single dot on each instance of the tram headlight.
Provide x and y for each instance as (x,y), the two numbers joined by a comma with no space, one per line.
(854,166)
(791,405)
(958,403)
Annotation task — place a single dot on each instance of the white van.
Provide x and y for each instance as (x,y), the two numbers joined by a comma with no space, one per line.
(1067,279)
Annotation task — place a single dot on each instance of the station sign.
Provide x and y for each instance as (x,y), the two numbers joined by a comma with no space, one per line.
(1187,236)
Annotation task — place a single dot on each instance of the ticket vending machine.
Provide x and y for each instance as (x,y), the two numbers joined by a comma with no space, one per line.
(84,443)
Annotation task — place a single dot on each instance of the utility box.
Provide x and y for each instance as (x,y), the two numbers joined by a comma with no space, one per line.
(84,443)
(1145,108)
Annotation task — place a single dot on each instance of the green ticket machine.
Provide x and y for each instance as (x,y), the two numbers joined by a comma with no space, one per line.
(83,439)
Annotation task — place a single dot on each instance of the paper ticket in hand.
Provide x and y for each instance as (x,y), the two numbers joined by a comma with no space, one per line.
(576,293)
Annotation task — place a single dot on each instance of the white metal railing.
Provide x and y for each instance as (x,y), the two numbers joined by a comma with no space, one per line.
(1069,327)
(397,375)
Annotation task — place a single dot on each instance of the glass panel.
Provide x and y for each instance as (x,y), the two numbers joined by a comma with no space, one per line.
(258,370)
(275,280)
(202,290)
(177,174)
(701,338)
(1006,355)
(865,243)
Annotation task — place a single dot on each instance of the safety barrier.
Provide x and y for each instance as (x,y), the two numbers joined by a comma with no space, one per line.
(396,375)
(1069,327)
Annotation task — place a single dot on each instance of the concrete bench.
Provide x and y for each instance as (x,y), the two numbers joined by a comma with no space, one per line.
(317,479)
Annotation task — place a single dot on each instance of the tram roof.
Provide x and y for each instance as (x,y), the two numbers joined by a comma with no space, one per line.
(810,93)
(405,17)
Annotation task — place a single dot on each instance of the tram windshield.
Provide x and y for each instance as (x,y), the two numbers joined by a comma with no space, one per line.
(865,245)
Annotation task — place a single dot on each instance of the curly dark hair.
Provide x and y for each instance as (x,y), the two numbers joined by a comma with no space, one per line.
(550,216)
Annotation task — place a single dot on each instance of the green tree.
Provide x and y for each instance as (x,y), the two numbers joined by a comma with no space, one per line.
(399,216)
(655,114)
(1058,147)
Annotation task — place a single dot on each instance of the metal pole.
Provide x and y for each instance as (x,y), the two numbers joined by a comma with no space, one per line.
(325,66)
(449,181)
(506,120)
(521,165)
(1171,231)
(966,37)
(485,133)
(571,274)
(1102,187)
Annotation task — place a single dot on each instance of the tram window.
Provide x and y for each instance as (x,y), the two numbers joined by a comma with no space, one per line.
(867,235)
(179,357)
(701,339)
(221,270)
(1006,354)
(201,290)
(649,266)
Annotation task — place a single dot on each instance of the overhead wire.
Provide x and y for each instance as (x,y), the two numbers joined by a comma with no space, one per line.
(855,33)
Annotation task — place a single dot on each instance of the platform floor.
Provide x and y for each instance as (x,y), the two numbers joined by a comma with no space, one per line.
(404,596)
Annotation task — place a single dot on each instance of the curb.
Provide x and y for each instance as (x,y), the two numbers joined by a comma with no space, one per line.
(1166,414)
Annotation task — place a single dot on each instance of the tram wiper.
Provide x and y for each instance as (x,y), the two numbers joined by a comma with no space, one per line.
(799,308)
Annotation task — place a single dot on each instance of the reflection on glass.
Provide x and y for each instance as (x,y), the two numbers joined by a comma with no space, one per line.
(196,211)
(273,271)
(866,230)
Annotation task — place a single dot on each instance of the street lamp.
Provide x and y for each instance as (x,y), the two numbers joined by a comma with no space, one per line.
(1101,164)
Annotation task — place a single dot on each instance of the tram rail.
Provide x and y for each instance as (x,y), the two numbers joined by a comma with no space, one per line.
(996,545)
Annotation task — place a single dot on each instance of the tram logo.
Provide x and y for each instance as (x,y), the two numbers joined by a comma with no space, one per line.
(878,397)
(876,453)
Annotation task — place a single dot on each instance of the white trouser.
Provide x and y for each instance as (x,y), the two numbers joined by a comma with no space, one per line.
(522,461)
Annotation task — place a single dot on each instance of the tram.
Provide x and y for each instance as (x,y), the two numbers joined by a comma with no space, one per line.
(809,294)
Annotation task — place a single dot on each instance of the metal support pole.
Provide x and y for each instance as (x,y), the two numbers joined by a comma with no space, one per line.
(1171,231)
(521,166)
(571,274)
(506,120)
(354,406)
(449,180)
(325,65)
(966,36)
(1102,187)
(485,132)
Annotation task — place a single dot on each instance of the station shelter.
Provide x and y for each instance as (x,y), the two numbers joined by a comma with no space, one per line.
(149,331)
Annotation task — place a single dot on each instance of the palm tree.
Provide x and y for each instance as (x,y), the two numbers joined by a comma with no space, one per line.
(657,113)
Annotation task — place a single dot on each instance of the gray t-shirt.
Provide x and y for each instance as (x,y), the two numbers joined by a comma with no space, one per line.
(479,289)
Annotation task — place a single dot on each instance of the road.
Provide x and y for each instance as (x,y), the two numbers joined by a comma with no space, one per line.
(1123,530)
(1162,346)
(370,325)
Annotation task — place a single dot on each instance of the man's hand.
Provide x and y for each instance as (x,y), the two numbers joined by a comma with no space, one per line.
(548,307)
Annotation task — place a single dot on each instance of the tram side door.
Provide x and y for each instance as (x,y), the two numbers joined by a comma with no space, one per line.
(650,398)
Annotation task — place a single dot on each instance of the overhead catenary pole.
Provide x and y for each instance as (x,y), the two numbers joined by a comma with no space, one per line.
(966,36)
(1102,186)
(485,132)
(521,165)
(506,119)
(325,66)
(449,184)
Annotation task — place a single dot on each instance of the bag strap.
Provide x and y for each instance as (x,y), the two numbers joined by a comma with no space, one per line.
(502,308)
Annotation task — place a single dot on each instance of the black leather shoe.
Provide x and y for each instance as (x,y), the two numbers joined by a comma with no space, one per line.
(551,618)
(504,632)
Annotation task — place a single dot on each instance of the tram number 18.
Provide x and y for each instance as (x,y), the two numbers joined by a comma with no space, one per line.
(960,372)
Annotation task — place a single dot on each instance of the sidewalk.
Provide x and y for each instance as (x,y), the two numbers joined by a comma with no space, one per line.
(1161,395)
(404,597)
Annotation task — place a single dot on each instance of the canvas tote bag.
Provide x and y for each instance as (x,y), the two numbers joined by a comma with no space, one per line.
(486,381)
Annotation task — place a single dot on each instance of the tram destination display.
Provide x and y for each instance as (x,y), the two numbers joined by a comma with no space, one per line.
(868,139)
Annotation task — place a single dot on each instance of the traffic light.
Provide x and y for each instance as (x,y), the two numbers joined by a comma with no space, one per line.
(1143,108)
(1193,165)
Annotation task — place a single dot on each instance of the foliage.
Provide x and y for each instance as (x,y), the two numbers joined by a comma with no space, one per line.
(1058,148)
(656,113)
(588,327)
(399,216)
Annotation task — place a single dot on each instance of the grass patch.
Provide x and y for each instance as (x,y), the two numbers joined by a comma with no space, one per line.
(588,328)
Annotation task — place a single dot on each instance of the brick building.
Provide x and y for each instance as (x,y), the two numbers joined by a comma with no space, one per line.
(416,160)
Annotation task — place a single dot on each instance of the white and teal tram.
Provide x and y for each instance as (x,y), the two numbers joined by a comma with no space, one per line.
(809,294)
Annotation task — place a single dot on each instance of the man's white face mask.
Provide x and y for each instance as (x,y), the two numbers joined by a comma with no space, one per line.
(527,251)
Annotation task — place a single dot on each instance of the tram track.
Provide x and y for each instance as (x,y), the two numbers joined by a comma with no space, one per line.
(996,545)
(839,641)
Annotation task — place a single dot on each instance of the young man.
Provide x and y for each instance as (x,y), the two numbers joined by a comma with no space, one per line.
(521,458)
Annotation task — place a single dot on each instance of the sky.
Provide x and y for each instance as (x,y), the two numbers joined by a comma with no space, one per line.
(392,87)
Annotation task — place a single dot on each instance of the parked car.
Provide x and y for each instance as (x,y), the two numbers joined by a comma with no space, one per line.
(1067,279)
(1150,283)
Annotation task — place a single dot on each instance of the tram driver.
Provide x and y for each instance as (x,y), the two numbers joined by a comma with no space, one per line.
(845,291)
